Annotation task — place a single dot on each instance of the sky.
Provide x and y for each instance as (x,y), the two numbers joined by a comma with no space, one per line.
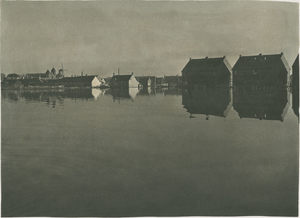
(143,37)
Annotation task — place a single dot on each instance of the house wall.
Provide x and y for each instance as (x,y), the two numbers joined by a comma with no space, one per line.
(133,83)
(95,82)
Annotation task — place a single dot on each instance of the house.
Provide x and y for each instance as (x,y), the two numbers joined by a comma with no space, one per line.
(173,81)
(51,74)
(80,81)
(160,82)
(41,76)
(12,76)
(261,70)
(295,75)
(295,86)
(145,81)
(107,80)
(32,82)
(124,81)
(209,71)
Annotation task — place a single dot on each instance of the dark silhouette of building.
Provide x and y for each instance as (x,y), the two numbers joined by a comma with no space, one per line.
(295,86)
(207,71)
(145,81)
(80,81)
(124,81)
(12,76)
(259,70)
(173,81)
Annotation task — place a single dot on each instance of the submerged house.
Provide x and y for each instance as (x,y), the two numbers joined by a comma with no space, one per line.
(260,70)
(40,76)
(124,81)
(145,81)
(209,71)
(80,81)
(173,81)
(12,76)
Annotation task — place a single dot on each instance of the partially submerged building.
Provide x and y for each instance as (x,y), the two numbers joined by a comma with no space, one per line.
(145,81)
(12,76)
(260,70)
(209,71)
(124,81)
(80,81)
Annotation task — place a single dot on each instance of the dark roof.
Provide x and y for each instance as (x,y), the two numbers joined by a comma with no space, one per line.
(121,78)
(206,64)
(13,75)
(261,62)
(78,79)
(142,79)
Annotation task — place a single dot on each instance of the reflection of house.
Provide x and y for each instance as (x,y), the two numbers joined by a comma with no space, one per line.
(264,103)
(13,76)
(208,71)
(80,81)
(261,70)
(206,100)
(145,81)
(127,93)
(124,81)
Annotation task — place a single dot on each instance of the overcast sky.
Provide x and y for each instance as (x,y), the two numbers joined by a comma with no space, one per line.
(146,38)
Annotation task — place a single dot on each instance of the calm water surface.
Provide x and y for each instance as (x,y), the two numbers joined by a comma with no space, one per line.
(155,153)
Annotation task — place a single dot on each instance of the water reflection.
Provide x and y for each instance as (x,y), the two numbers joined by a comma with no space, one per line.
(126,93)
(263,102)
(51,96)
(207,100)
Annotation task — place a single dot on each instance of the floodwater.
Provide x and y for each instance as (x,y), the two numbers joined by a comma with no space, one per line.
(169,152)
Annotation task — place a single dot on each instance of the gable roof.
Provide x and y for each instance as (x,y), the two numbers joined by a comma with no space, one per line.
(121,78)
(13,75)
(261,62)
(205,64)
(79,79)
(142,79)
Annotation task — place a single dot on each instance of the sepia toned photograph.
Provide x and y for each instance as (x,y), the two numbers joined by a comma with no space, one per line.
(149,108)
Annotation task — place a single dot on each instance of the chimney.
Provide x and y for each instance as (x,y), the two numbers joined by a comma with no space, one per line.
(260,54)
(85,74)
(281,53)
(132,73)
(81,73)
(113,74)
(118,71)
(240,56)
(190,59)
(206,57)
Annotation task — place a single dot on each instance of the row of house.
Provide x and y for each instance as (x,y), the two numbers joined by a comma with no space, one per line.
(258,69)
(48,75)
(131,81)
(79,81)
